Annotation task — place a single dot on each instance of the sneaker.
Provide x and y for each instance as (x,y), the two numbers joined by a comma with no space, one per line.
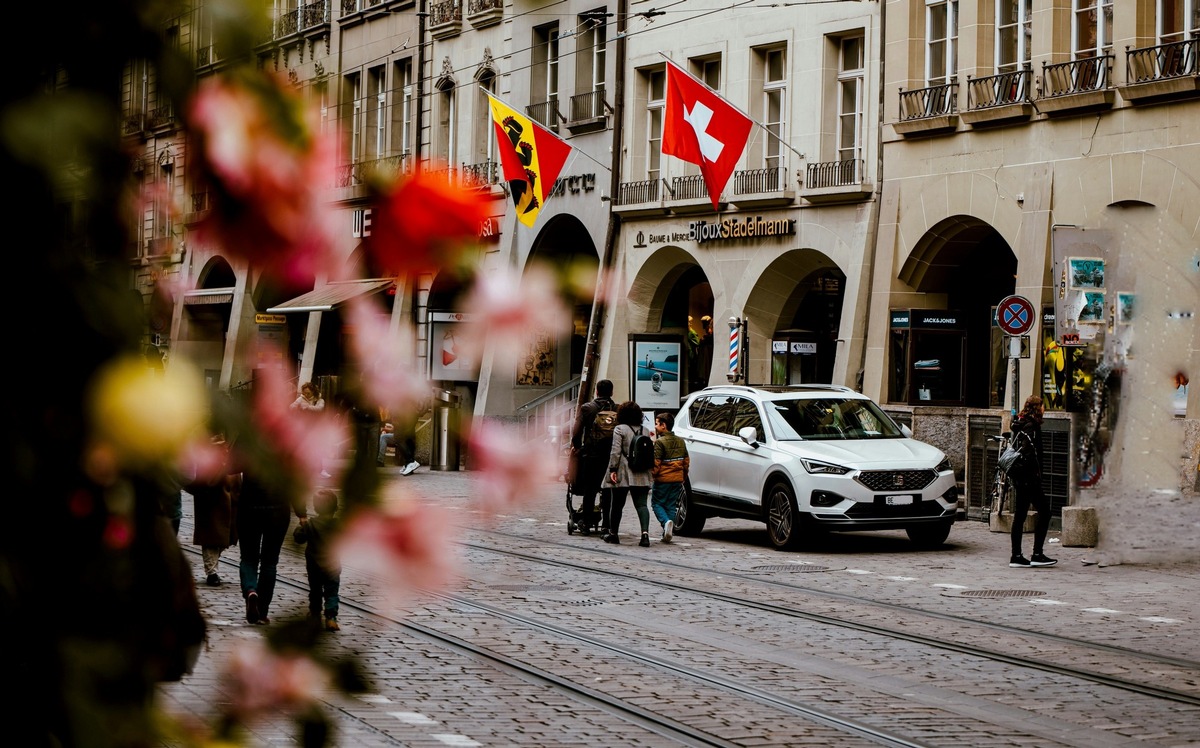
(668,531)
(410,468)
(263,621)
(1041,559)
(213,580)
(1018,561)
(610,538)
(252,607)
(645,541)
(331,624)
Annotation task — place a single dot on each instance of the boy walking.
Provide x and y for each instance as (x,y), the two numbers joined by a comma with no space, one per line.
(324,572)
(671,462)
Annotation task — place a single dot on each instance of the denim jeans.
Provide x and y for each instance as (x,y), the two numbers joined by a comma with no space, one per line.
(665,501)
(261,531)
(322,586)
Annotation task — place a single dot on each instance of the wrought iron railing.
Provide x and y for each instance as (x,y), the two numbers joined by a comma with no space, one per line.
(833,173)
(1172,60)
(690,187)
(758,181)
(545,113)
(483,174)
(636,193)
(200,201)
(162,116)
(998,90)
(449,11)
(933,101)
(302,18)
(349,175)
(482,6)
(587,106)
(1076,76)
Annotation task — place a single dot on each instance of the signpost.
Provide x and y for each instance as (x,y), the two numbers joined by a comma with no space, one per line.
(1015,317)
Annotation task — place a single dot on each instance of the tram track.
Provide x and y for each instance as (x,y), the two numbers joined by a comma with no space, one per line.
(1185,669)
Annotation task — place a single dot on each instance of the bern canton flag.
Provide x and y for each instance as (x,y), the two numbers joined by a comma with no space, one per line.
(704,129)
(532,158)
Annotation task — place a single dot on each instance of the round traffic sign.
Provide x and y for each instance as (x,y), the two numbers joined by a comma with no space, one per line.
(1015,315)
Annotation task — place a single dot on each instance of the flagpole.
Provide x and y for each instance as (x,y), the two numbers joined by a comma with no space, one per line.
(731,105)
(574,151)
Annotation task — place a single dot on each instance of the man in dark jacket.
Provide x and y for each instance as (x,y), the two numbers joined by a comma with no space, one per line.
(591,456)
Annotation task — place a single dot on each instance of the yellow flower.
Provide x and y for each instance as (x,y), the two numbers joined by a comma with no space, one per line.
(147,416)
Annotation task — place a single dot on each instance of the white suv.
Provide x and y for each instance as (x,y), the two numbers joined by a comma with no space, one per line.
(808,458)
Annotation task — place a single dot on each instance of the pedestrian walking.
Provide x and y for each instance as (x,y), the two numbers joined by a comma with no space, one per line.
(214,501)
(671,463)
(623,479)
(591,443)
(1026,476)
(263,518)
(324,571)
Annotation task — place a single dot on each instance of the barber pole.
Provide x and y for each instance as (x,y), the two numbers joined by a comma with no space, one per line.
(734,335)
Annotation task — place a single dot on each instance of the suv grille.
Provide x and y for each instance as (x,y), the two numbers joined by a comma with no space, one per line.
(896,480)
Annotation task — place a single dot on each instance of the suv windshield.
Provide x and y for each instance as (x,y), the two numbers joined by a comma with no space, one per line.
(829,418)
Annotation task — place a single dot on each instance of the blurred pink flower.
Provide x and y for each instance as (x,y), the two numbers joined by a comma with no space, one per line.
(266,165)
(204,461)
(387,357)
(508,310)
(424,222)
(408,544)
(264,682)
(511,469)
(303,440)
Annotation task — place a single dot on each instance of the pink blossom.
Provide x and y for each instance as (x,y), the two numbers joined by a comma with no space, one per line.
(302,440)
(267,166)
(511,312)
(263,682)
(386,355)
(512,470)
(408,544)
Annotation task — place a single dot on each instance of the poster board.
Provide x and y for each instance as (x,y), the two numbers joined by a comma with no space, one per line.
(655,369)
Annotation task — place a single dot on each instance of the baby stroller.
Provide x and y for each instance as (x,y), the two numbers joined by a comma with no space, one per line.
(575,499)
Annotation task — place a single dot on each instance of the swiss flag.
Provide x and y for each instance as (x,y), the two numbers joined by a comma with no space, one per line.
(704,129)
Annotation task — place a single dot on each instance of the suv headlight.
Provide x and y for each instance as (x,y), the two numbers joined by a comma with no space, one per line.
(944,466)
(823,468)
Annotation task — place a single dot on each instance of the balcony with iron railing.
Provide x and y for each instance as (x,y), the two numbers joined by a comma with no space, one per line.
(928,110)
(445,19)
(640,198)
(1165,71)
(545,113)
(844,180)
(763,188)
(302,19)
(688,194)
(350,7)
(998,98)
(484,13)
(481,176)
(161,118)
(1078,85)
(360,172)
(588,112)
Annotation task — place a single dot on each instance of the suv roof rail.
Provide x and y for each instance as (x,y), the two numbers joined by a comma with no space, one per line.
(812,387)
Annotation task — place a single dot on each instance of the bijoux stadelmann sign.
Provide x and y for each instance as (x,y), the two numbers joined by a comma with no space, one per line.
(702,232)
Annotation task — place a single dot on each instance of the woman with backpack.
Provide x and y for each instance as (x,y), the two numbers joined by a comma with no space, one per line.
(629,470)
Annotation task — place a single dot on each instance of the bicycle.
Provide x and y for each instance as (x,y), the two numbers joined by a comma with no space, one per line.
(1001,484)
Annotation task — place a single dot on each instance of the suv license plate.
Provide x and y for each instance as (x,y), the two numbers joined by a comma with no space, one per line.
(893,500)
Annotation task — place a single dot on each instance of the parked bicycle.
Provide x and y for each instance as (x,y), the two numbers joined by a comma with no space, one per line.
(1001,483)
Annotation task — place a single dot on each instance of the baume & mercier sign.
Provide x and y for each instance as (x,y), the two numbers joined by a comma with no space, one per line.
(701,232)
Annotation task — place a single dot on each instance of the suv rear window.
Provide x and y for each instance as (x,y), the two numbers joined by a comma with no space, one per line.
(830,418)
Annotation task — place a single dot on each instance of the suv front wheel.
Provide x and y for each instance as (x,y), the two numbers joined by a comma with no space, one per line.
(783,517)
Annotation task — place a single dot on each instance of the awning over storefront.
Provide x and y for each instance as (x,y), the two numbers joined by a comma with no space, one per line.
(330,296)
(208,296)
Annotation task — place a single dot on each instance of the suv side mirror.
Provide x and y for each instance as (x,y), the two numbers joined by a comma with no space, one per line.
(749,434)
(904,429)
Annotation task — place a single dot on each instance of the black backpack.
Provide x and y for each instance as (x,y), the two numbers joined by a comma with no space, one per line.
(641,452)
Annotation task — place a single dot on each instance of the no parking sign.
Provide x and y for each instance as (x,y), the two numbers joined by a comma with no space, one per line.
(1015,315)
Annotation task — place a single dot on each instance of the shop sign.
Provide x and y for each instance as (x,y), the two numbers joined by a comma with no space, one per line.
(574,184)
(489,230)
(899,319)
(778,346)
(270,319)
(935,319)
(806,349)
(750,227)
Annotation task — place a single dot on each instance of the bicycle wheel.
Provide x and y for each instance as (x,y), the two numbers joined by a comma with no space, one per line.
(1002,489)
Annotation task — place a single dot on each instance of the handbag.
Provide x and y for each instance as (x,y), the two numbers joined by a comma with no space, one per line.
(1009,459)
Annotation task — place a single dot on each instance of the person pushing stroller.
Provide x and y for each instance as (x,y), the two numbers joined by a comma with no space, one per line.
(591,442)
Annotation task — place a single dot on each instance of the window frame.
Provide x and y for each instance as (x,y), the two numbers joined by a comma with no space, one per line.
(655,114)
(774,155)
(1023,26)
(949,56)
(851,76)
(1100,25)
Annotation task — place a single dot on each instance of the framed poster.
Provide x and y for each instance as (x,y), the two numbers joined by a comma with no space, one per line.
(447,361)
(1092,311)
(655,369)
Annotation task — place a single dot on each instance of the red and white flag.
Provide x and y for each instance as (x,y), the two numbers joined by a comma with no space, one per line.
(704,129)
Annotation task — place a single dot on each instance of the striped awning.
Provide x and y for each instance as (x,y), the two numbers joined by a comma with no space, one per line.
(330,296)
